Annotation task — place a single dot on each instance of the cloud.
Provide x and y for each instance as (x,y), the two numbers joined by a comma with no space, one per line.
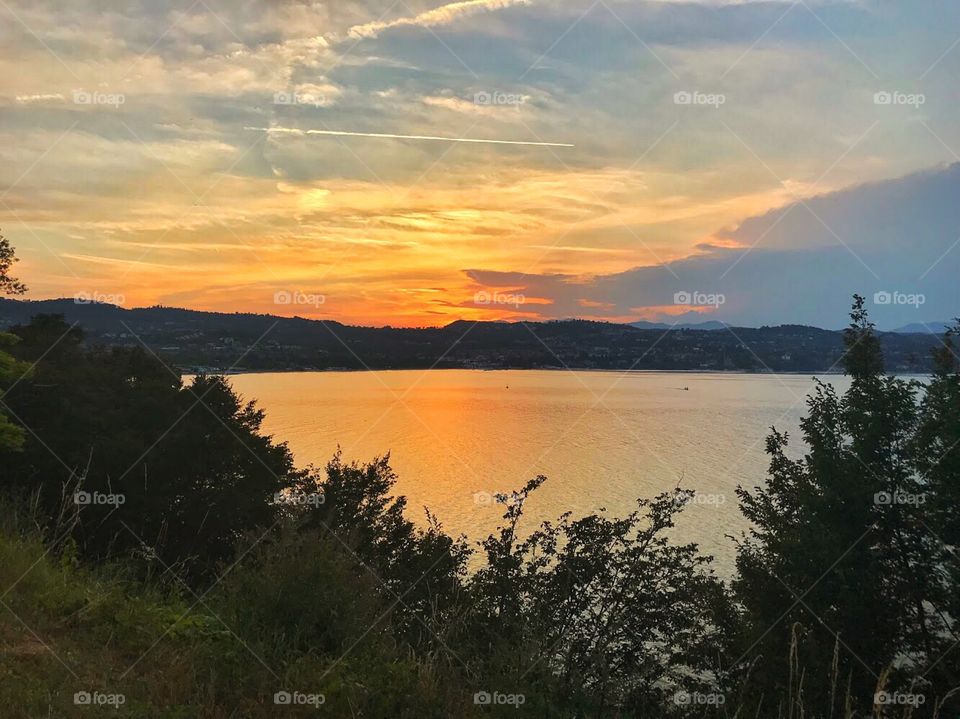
(443,15)
(49,97)
(476,105)
(919,211)
(895,238)
(647,182)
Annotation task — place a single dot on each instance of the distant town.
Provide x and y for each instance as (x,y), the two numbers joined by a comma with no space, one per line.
(211,342)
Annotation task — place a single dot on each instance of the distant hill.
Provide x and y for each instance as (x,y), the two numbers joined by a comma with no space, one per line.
(218,342)
(711,325)
(937,328)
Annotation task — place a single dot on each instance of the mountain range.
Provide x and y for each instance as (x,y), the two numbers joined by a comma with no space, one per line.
(217,342)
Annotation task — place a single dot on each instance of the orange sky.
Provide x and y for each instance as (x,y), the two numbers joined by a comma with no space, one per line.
(130,169)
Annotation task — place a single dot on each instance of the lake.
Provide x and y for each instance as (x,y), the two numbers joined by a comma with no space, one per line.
(603,439)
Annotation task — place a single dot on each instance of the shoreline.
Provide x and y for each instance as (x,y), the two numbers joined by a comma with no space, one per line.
(342,370)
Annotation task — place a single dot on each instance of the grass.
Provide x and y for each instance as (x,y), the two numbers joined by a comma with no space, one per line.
(64,629)
(294,616)
(291,618)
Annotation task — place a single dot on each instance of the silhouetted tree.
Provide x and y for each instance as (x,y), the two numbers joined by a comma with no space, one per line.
(180,471)
(603,616)
(418,569)
(9,285)
(839,576)
(848,581)
(937,452)
(11,435)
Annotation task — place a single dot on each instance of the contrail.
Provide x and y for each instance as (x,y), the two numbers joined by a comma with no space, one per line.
(293,131)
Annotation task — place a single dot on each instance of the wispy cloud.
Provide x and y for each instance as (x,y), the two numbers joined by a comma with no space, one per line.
(530,137)
(49,97)
(443,15)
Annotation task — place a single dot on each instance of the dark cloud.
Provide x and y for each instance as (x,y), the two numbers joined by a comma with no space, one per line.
(899,236)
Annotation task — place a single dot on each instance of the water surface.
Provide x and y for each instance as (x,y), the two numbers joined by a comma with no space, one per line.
(603,439)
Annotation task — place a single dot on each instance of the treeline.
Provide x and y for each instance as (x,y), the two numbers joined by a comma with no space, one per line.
(175,556)
(192,339)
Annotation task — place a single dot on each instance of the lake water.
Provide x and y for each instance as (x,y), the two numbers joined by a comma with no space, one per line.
(602,438)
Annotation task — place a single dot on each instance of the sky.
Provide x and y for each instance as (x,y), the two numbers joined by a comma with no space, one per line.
(414,163)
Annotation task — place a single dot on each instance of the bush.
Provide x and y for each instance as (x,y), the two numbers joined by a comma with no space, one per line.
(207,591)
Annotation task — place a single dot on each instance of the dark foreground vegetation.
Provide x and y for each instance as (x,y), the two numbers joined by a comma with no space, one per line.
(161,557)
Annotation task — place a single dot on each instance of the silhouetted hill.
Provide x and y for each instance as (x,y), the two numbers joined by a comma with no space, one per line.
(218,341)
(711,325)
(924,328)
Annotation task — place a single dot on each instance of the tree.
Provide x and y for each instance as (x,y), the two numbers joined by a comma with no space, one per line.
(420,570)
(838,576)
(936,447)
(9,285)
(603,616)
(137,461)
(11,436)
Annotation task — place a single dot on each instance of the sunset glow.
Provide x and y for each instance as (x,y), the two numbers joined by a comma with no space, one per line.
(398,164)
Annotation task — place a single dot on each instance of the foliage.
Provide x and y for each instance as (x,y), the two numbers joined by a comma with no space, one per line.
(11,371)
(11,435)
(607,610)
(170,472)
(841,562)
(420,570)
(8,285)
(226,574)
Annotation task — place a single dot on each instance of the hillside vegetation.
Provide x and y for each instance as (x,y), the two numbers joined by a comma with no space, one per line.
(161,557)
